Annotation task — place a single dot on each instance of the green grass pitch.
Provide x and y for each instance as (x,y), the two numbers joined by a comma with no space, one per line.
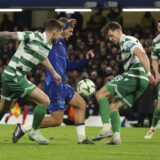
(63,146)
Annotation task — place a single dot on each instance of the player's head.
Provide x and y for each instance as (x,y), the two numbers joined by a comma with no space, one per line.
(158,25)
(68,29)
(53,28)
(113,31)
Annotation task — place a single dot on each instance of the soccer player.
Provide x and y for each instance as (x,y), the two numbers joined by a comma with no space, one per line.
(33,49)
(129,86)
(155,64)
(62,94)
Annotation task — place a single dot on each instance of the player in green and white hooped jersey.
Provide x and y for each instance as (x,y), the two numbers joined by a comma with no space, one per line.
(155,56)
(129,86)
(33,50)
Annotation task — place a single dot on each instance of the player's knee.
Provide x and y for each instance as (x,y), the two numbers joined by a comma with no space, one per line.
(98,95)
(112,107)
(115,106)
(82,105)
(46,102)
(101,94)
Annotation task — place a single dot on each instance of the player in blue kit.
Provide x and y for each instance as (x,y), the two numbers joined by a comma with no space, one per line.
(62,94)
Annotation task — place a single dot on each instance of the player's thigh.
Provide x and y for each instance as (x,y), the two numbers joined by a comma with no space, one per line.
(57,115)
(77,101)
(5,105)
(103,92)
(39,97)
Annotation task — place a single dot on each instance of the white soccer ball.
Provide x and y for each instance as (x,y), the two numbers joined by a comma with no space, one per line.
(86,88)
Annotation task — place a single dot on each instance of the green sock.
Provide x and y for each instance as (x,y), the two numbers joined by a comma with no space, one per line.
(39,113)
(1,114)
(104,109)
(115,121)
(156,117)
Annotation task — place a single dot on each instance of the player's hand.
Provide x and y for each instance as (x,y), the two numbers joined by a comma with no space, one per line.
(158,77)
(108,78)
(58,78)
(152,81)
(73,21)
(90,54)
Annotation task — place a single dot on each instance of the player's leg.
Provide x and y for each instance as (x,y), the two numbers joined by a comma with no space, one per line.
(104,108)
(156,118)
(79,115)
(115,122)
(55,119)
(37,96)
(42,100)
(5,106)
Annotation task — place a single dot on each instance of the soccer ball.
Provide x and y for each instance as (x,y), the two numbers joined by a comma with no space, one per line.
(86,88)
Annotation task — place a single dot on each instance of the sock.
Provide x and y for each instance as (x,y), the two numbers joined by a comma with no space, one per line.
(115,121)
(116,135)
(10,115)
(24,116)
(26,127)
(106,127)
(156,117)
(80,128)
(1,114)
(39,113)
(104,109)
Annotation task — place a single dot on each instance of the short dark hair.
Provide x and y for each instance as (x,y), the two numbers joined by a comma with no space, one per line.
(54,24)
(158,21)
(111,25)
(64,20)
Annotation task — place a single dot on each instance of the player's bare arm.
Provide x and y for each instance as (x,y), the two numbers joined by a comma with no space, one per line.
(145,62)
(48,65)
(8,35)
(155,69)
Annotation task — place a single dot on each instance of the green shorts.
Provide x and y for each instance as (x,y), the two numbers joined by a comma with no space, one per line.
(128,89)
(14,87)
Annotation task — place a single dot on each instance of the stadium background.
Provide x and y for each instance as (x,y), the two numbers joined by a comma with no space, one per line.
(87,36)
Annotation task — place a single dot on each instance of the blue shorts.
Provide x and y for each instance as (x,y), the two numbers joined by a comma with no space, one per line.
(59,95)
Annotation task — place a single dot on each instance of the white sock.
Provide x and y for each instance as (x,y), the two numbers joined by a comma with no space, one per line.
(154,128)
(34,131)
(116,135)
(106,127)
(26,127)
(81,132)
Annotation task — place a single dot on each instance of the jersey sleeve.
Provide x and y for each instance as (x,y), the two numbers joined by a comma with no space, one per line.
(26,36)
(154,53)
(130,46)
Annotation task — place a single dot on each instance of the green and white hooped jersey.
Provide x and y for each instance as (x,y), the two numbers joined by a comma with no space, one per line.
(131,62)
(32,50)
(155,54)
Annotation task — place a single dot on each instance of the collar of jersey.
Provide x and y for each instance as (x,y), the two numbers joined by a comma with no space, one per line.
(61,40)
(44,37)
(122,36)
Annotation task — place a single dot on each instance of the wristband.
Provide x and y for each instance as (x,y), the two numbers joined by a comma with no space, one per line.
(149,74)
